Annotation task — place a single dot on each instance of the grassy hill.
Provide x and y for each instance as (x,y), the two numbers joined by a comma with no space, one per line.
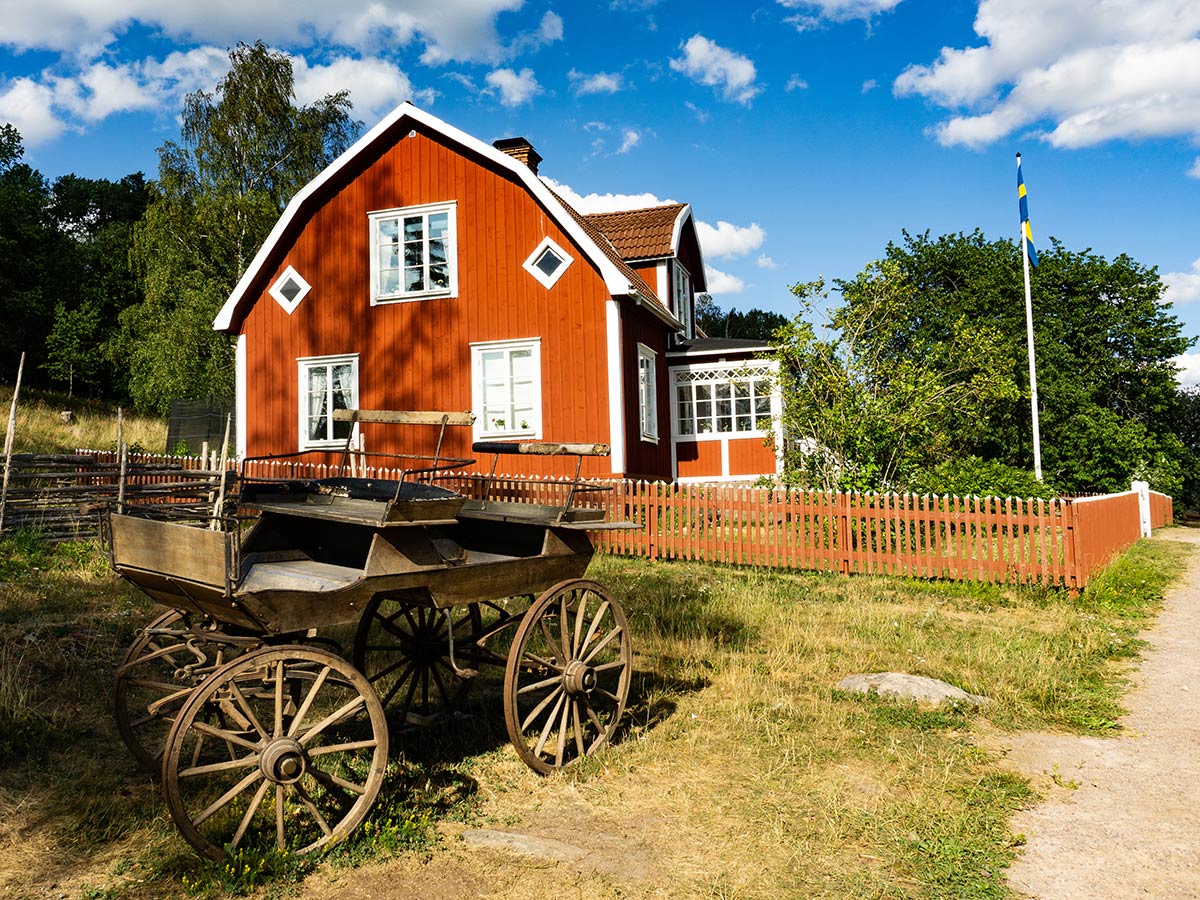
(41,429)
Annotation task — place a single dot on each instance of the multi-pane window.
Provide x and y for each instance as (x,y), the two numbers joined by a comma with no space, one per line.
(647,393)
(326,383)
(507,389)
(682,290)
(727,400)
(413,253)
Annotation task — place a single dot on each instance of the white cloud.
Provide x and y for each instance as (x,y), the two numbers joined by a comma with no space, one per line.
(448,29)
(843,10)
(102,90)
(27,105)
(721,283)
(1182,287)
(1080,76)
(1189,369)
(796,83)
(702,115)
(869,85)
(765,262)
(728,240)
(515,87)
(630,138)
(599,83)
(710,64)
(376,87)
(549,30)
(1194,171)
(597,203)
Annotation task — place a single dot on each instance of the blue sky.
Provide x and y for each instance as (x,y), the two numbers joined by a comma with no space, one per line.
(805,133)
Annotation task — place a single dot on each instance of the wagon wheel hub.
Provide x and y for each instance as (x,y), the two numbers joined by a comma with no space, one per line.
(579,678)
(283,762)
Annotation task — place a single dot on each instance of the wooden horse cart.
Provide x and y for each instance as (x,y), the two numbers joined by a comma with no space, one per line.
(265,730)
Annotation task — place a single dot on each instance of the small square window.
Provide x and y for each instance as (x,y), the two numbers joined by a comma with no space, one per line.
(289,289)
(548,262)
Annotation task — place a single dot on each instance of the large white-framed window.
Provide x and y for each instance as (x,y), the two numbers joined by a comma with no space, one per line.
(716,400)
(506,389)
(648,392)
(414,253)
(326,383)
(682,291)
(548,262)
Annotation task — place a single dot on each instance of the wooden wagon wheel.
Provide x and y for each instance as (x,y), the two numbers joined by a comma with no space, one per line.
(567,677)
(403,649)
(168,658)
(284,746)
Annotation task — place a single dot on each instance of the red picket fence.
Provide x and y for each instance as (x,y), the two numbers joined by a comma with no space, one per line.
(1064,541)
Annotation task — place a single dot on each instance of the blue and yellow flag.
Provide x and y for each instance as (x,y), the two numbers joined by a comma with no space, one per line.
(1025,229)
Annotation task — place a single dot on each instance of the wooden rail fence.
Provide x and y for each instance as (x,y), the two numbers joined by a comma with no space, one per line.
(1064,541)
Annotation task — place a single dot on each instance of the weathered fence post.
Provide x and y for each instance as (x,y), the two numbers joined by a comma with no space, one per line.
(8,440)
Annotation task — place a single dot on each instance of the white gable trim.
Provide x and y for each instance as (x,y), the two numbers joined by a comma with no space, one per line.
(615,280)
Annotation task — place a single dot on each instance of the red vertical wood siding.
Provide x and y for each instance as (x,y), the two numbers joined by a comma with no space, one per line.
(698,459)
(750,456)
(645,459)
(416,355)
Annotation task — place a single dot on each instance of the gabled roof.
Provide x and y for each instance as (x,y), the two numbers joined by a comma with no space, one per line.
(649,233)
(619,279)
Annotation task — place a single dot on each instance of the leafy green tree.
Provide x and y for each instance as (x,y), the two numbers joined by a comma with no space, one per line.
(754,324)
(28,244)
(246,149)
(857,416)
(95,282)
(1104,342)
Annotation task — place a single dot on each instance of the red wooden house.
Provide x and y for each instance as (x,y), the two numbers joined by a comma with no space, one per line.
(427,270)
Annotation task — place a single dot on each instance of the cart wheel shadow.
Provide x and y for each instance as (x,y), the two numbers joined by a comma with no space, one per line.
(478,728)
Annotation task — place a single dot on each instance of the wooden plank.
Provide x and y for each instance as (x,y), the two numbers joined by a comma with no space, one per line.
(191,554)
(403,417)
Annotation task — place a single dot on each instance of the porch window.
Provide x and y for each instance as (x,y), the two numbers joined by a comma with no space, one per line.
(724,400)
(507,389)
(413,253)
(326,383)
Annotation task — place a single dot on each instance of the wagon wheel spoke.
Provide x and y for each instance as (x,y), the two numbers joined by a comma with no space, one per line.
(306,704)
(562,731)
(312,808)
(540,685)
(240,699)
(537,710)
(342,713)
(242,762)
(580,618)
(255,802)
(596,622)
(404,676)
(541,743)
(226,797)
(328,780)
(578,725)
(608,638)
(280,833)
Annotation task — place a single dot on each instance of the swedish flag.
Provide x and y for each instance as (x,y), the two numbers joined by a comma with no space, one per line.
(1026,231)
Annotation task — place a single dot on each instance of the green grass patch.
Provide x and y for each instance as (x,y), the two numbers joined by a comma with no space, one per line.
(741,767)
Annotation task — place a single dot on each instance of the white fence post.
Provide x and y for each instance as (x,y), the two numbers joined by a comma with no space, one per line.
(1143,492)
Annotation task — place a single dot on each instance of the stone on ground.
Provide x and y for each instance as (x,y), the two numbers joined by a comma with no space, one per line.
(910,687)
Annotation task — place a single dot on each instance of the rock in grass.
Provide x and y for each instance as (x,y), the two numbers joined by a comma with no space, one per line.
(911,687)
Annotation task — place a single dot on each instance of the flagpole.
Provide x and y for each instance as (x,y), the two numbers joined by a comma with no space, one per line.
(1033,391)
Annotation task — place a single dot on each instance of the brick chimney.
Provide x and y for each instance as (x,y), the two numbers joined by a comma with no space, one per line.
(521,150)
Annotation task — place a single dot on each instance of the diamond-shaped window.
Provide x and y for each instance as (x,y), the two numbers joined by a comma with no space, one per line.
(548,262)
(289,289)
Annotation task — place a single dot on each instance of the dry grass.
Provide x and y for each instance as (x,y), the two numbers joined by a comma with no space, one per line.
(743,773)
(40,428)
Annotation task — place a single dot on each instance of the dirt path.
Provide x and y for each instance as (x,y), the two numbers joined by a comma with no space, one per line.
(1122,818)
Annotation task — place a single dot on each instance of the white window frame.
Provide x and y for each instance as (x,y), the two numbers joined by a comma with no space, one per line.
(725,373)
(289,274)
(531,264)
(425,211)
(648,393)
(481,430)
(681,287)
(303,365)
